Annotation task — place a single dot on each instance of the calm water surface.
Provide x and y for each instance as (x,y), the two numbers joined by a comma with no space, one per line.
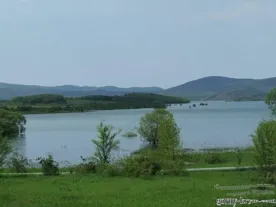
(68,136)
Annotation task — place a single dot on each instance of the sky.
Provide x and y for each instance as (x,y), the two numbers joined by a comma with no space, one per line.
(129,43)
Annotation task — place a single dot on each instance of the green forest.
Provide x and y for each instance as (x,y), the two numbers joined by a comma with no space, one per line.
(52,103)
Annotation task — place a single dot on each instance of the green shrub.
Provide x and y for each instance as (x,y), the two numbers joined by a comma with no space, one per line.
(239,157)
(174,167)
(214,158)
(105,143)
(130,134)
(140,165)
(18,163)
(109,170)
(88,167)
(49,166)
(264,153)
(5,149)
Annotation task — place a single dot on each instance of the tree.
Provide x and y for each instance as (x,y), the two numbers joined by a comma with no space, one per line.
(105,143)
(271,100)
(150,124)
(11,123)
(169,138)
(264,154)
(5,149)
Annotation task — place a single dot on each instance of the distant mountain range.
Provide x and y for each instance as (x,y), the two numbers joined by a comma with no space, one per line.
(223,88)
(8,90)
(208,88)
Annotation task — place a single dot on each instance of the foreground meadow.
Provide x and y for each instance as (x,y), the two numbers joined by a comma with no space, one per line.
(195,190)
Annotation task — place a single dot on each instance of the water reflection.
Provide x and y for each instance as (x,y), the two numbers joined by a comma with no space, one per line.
(19,144)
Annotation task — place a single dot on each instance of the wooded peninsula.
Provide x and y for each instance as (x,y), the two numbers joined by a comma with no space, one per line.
(52,103)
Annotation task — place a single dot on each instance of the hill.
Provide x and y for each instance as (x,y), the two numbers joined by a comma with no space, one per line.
(223,88)
(207,88)
(8,91)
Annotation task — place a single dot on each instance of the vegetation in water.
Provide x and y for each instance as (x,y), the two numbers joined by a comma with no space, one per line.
(50,103)
(130,134)
(11,123)
(151,126)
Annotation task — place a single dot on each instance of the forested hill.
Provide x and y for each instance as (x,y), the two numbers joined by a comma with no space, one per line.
(223,88)
(8,91)
(208,88)
(52,103)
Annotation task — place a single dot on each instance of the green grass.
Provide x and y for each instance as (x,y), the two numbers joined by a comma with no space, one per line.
(32,170)
(230,159)
(196,190)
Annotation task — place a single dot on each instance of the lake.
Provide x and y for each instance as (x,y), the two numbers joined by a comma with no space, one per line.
(68,136)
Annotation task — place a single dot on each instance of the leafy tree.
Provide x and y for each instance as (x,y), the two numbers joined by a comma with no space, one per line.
(11,123)
(169,138)
(264,140)
(105,143)
(271,100)
(150,125)
(5,149)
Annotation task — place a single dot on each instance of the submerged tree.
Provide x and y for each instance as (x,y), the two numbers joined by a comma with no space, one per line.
(150,125)
(105,143)
(153,124)
(11,123)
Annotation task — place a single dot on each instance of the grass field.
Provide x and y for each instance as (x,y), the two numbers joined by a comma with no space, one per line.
(228,159)
(197,160)
(196,190)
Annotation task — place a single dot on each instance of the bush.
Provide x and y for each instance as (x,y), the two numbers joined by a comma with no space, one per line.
(130,134)
(87,167)
(239,157)
(5,149)
(105,143)
(18,162)
(214,158)
(49,165)
(109,170)
(174,167)
(140,165)
(264,152)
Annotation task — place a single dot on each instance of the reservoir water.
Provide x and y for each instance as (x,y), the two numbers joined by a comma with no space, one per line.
(68,136)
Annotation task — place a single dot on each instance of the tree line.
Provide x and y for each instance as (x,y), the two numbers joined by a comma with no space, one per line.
(51,103)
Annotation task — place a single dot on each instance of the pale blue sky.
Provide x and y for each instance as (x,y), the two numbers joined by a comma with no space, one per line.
(135,42)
